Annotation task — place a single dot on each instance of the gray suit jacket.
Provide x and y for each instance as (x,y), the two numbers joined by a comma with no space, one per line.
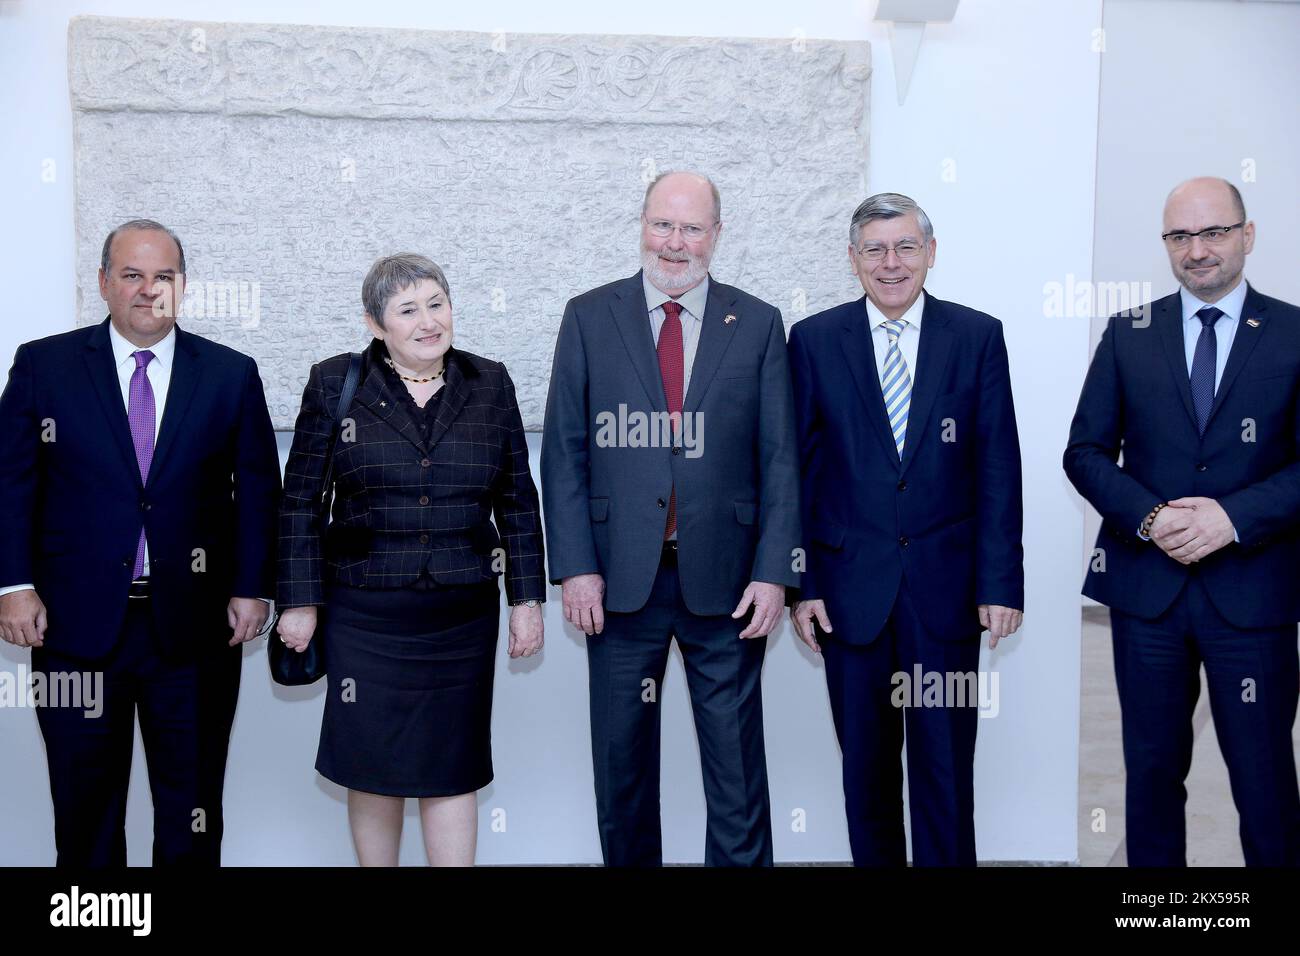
(606,482)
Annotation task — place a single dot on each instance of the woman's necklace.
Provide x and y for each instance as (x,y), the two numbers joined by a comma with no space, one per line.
(407,378)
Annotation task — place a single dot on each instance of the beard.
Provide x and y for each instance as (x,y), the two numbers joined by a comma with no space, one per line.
(696,269)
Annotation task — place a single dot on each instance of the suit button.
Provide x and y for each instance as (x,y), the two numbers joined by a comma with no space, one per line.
(677,449)
(425,463)
(902,486)
(1201,467)
(903,542)
(424,539)
(424,499)
(661,503)
(126,563)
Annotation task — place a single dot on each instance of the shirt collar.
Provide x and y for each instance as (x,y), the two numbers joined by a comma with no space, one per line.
(693,301)
(1230,305)
(162,350)
(876,318)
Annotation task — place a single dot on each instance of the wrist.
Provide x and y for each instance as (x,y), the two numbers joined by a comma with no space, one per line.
(1144,529)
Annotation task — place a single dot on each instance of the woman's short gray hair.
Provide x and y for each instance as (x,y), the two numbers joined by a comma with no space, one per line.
(391,274)
(888,206)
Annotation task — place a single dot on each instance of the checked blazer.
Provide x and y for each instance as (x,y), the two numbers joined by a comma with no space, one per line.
(403,504)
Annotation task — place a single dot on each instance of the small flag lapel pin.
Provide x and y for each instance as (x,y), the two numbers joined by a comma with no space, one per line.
(729,319)
(1253,323)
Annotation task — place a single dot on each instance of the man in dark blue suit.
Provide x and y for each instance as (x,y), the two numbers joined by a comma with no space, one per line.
(139,482)
(670,494)
(912,517)
(1199,548)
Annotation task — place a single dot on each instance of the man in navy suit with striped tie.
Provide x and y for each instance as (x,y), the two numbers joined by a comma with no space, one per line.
(139,482)
(911,499)
(1199,548)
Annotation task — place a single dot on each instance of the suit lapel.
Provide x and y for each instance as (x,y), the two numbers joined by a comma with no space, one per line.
(931,363)
(715,335)
(103,373)
(455,390)
(180,389)
(861,357)
(1243,344)
(1168,319)
(374,394)
(632,319)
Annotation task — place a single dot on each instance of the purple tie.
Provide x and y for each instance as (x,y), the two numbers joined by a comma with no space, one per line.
(142,416)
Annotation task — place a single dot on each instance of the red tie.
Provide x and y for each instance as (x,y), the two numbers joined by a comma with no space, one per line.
(670,367)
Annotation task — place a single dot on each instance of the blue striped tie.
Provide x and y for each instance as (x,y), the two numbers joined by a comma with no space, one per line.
(896,384)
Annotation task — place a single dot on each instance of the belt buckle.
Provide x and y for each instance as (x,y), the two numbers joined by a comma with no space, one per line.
(138,589)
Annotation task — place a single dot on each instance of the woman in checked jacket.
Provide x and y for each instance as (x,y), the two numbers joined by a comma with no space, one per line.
(402,587)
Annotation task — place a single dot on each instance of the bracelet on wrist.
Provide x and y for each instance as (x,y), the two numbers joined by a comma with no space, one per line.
(1149,520)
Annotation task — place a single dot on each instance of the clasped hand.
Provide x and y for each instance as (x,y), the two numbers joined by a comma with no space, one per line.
(1189,529)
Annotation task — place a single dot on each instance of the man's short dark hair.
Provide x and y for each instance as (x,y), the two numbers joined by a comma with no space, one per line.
(147,224)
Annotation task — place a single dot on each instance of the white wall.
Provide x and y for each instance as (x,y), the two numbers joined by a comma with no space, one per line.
(1005,98)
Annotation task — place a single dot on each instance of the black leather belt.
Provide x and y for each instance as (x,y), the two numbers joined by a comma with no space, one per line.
(139,588)
(669,552)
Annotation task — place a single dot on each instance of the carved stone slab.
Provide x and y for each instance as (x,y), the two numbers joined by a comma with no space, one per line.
(288,158)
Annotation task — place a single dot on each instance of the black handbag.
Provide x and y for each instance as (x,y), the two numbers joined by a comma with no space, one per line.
(289,667)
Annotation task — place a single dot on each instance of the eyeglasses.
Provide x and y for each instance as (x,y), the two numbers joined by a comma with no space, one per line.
(904,249)
(691,232)
(1211,234)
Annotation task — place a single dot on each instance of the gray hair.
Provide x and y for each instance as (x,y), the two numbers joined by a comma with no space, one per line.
(140,224)
(391,274)
(717,197)
(888,206)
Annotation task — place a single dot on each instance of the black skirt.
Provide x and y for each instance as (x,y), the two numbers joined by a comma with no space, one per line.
(409,708)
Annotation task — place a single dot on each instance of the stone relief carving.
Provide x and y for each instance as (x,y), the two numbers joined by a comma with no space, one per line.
(288,158)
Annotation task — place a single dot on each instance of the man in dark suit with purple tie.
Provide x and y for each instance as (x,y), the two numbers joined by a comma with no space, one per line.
(139,482)
(1199,548)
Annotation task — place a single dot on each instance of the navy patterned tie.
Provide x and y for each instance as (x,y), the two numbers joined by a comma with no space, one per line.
(1203,365)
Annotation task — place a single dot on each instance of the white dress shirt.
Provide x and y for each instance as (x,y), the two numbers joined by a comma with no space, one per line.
(159,371)
(692,319)
(909,341)
(1225,330)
